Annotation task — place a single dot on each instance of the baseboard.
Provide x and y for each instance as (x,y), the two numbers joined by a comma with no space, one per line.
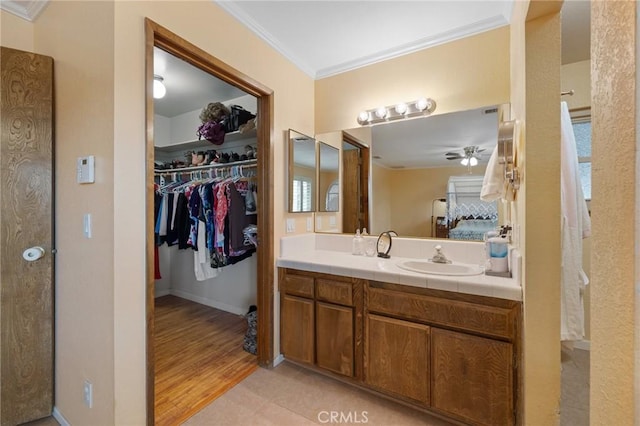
(59,417)
(278,360)
(585,345)
(209,302)
(160,293)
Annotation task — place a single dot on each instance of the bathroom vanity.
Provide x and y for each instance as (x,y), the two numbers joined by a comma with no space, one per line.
(382,328)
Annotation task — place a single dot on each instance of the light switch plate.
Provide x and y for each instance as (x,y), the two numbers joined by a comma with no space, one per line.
(309,224)
(291,225)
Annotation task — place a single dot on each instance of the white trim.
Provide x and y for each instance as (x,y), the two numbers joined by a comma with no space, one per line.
(585,345)
(278,360)
(483,25)
(28,10)
(209,302)
(59,417)
(238,13)
(160,293)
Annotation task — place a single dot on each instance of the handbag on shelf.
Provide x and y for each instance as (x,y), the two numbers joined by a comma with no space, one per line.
(238,117)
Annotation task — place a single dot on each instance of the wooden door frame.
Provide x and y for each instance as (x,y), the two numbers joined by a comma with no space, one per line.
(158,36)
(364,183)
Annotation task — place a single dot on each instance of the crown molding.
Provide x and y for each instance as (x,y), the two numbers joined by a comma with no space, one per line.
(237,12)
(28,10)
(478,27)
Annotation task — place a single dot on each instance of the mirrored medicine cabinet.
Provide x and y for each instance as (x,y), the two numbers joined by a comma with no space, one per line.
(302,172)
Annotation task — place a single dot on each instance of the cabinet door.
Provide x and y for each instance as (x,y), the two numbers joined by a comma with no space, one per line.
(334,338)
(472,377)
(397,357)
(296,328)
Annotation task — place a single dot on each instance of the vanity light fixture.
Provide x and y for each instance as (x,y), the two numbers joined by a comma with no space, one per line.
(420,107)
(159,90)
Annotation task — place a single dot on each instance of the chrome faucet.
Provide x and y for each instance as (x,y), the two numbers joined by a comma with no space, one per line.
(439,257)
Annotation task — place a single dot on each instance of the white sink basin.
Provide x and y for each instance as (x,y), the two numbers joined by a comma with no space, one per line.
(427,267)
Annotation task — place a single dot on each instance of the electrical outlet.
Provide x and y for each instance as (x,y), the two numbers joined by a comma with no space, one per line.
(88,394)
(309,224)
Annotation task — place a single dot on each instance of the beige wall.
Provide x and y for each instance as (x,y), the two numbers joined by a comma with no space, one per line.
(614,302)
(457,75)
(15,32)
(84,267)
(535,88)
(577,77)
(381,203)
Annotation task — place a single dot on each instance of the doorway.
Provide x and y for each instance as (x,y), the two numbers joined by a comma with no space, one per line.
(159,37)
(355,169)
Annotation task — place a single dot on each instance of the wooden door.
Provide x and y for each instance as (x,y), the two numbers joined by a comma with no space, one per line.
(472,377)
(355,184)
(334,338)
(26,206)
(351,191)
(397,357)
(297,328)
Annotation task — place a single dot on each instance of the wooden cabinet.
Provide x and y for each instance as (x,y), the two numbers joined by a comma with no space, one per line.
(321,321)
(297,328)
(397,357)
(334,338)
(472,377)
(452,354)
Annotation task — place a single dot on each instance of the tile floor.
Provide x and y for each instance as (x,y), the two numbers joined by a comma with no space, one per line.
(574,401)
(291,396)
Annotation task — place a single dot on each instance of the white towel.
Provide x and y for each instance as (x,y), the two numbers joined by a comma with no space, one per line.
(494,185)
(575,225)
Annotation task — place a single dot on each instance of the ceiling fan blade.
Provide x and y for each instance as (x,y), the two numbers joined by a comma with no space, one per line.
(454,154)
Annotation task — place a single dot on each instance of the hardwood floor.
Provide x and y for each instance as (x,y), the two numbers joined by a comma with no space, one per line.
(199,356)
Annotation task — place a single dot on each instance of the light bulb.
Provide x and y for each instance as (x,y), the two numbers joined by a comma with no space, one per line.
(464,161)
(401,108)
(422,104)
(473,161)
(381,112)
(158,87)
(363,117)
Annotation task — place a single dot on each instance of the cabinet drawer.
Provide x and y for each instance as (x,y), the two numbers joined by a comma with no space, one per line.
(489,320)
(334,291)
(299,285)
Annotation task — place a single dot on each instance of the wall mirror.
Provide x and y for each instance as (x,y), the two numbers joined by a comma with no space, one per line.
(328,178)
(412,162)
(302,172)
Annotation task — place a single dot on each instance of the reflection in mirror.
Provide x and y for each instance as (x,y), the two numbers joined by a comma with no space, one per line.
(328,181)
(302,172)
(412,161)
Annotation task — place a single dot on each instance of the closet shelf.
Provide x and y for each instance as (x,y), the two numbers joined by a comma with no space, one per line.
(249,163)
(197,144)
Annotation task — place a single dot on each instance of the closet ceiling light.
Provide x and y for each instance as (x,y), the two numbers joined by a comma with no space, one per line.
(158,87)
(421,107)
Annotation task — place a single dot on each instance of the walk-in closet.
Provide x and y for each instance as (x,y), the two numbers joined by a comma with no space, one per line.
(206,204)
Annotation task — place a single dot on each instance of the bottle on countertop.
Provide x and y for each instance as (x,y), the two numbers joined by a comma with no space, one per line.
(357,246)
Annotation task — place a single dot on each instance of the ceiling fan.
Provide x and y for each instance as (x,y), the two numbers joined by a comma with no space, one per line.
(469,157)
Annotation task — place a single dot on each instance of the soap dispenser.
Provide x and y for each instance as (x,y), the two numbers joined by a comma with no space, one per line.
(357,246)
(497,251)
